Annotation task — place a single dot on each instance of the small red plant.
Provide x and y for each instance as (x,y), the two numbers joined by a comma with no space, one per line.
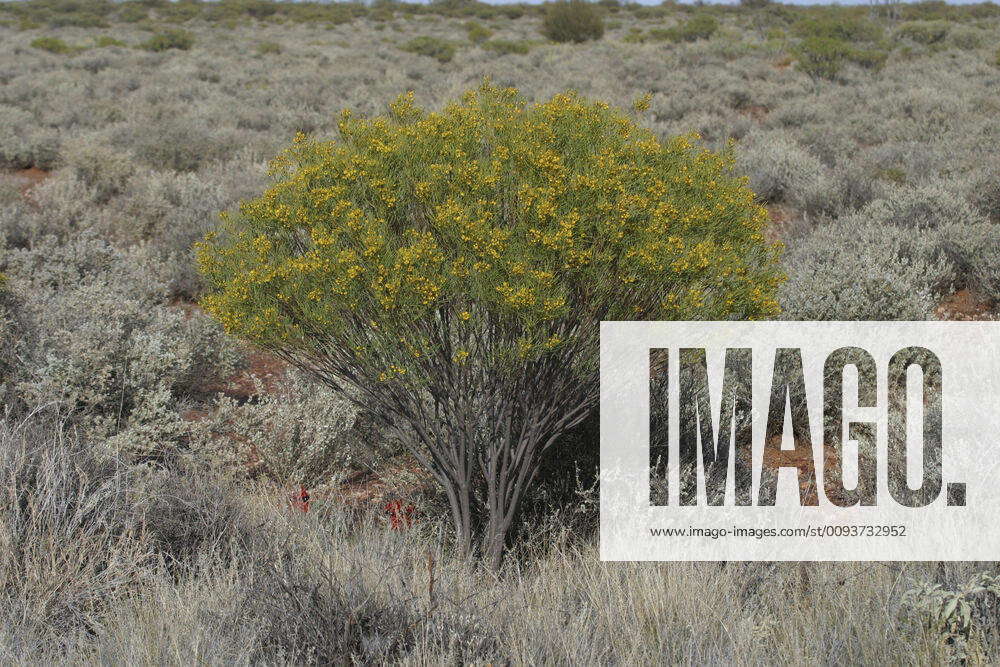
(400,516)
(300,499)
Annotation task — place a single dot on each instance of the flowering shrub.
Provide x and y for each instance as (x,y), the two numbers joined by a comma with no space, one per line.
(466,257)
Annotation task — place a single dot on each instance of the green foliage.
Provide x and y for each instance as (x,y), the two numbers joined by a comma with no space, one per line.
(923,32)
(572,21)
(169,39)
(132,12)
(427,254)
(105,41)
(268,48)
(839,26)
(477,32)
(53,45)
(951,614)
(441,50)
(699,26)
(822,57)
(507,46)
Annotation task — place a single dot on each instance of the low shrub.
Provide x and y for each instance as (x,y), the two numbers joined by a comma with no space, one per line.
(104,42)
(839,26)
(268,48)
(169,39)
(923,32)
(699,26)
(778,168)
(507,46)
(851,270)
(966,38)
(441,50)
(477,32)
(53,45)
(822,57)
(299,434)
(572,21)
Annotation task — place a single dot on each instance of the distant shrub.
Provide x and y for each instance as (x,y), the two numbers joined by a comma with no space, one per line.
(441,50)
(507,46)
(822,57)
(996,58)
(572,21)
(103,168)
(920,208)
(53,45)
(966,38)
(104,42)
(923,32)
(873,59)
(169,39)
(132,11)
(477,32)
(699,26)
(840,27)
(268,48)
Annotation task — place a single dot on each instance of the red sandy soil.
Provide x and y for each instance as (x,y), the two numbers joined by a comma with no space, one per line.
(26,179)
(964,305)
(781,220)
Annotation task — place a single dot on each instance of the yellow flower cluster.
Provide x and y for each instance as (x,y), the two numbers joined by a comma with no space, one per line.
(532,212)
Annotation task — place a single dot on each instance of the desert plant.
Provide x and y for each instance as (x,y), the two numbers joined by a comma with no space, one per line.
(699,26)
(269,48)
(923,32)
(822,57)
(477,32)
(572,21)
(105,41)
(507,46)
(52,45)
(440,49)
(169,39)
(839,26)
(452,269)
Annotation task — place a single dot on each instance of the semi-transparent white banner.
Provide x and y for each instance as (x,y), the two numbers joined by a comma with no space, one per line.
(800,441)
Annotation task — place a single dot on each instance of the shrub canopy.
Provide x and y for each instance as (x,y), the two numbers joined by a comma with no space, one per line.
(468,256)
(533,213)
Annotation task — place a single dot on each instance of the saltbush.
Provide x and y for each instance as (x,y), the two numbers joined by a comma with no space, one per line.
(851,270)
(572,21)
(778,168)
(440,49)
(427,254)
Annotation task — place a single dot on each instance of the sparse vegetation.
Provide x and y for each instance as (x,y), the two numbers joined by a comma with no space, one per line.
(149,457)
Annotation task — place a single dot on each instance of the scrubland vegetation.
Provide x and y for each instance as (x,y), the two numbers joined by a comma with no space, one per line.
(148,455)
